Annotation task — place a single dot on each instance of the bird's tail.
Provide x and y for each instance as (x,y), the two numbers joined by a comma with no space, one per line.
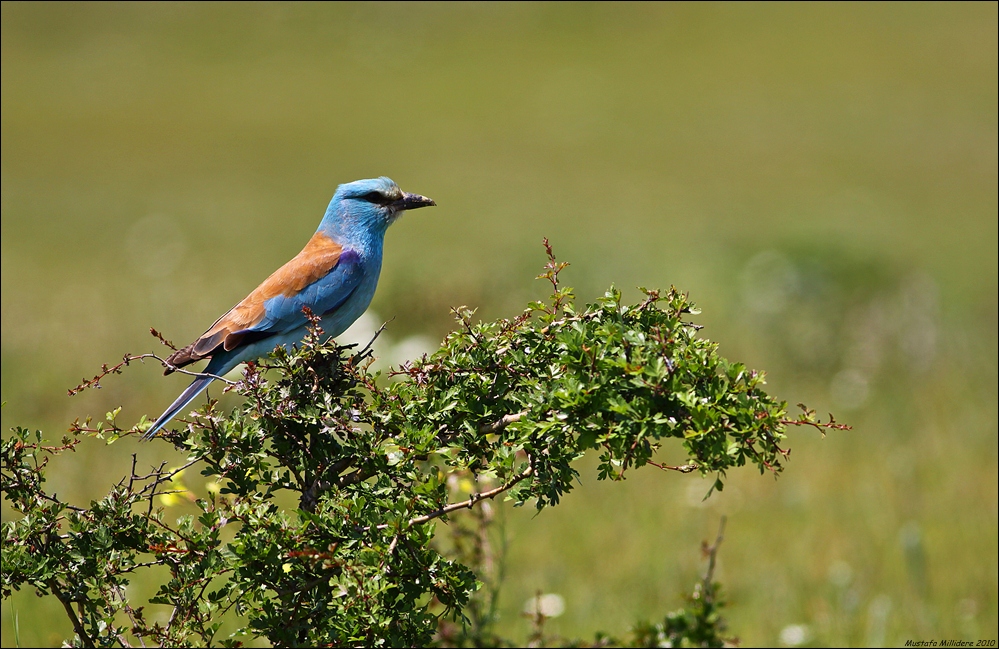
(187,396)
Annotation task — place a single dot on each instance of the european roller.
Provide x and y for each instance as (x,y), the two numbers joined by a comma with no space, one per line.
(335,276)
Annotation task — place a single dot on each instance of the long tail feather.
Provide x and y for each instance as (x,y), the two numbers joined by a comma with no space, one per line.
(187,396)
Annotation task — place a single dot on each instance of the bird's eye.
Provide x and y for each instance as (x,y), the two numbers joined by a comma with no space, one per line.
(376,197)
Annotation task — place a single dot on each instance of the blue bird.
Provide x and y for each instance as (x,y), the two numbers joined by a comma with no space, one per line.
(335,275)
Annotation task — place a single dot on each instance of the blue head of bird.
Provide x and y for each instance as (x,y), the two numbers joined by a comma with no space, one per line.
(369,207)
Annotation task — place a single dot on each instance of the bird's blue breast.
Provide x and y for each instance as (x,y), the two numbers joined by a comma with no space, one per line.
(337,319)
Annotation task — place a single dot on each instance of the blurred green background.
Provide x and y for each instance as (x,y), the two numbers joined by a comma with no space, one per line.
(821,178)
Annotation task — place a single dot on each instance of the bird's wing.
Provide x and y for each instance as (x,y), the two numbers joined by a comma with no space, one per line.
(320,277)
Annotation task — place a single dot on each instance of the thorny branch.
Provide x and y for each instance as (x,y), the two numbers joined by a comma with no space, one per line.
(506,420)
(128,359)
(683,468)
(807,418)
(473,499)
(77,625)
(162,339)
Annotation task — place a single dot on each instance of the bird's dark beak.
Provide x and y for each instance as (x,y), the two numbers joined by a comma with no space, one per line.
(411,202)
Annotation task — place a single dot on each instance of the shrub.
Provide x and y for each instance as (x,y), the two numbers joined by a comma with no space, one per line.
(318,527)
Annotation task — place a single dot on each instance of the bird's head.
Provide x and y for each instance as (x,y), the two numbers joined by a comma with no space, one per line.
(370,205)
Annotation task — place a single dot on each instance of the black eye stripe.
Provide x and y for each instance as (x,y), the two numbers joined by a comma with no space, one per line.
(376,197)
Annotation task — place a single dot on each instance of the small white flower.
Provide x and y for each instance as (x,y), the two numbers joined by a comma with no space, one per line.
(548,605)
(795,635)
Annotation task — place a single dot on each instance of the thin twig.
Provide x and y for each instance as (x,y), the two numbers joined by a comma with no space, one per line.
(131,477)
(128,358)
(159,472)
(821,426)
(473,499)
(160,477)
(77,625)
(173,616)
(371,342)
(712,552)
(808,418)
(506,420)
(162,339)
(683,468)
(180,370)
(130,613)
(54,499)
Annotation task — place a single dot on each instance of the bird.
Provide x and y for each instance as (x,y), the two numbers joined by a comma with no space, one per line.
(335,276)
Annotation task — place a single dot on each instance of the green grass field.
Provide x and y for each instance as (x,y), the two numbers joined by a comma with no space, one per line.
(822,179)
